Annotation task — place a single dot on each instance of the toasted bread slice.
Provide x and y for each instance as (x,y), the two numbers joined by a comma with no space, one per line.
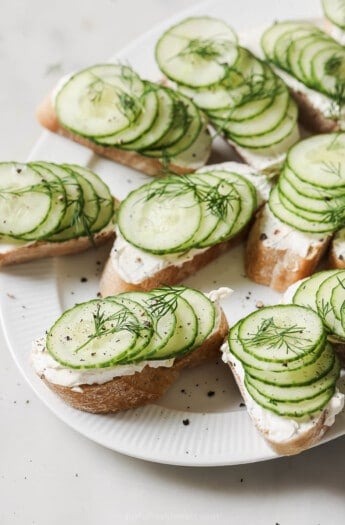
(150,166)
(140,388)
(286,436)
(277,255)
(112,282)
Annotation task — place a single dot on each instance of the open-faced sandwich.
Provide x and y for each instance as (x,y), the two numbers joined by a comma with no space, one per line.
(111,110)
(245,101)
(49,209)
(312,64)
(304,210)
(287,373)
(171,227)
(117,353)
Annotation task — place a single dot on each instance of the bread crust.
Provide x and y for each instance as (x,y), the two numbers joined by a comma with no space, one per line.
(42,249)
(292,446)
(111,282)
(334,261)
(278,268)
(150,166)
(125,392)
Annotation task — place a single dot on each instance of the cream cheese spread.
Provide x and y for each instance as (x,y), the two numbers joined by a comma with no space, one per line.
(279,236)
(45,365)
(278,428)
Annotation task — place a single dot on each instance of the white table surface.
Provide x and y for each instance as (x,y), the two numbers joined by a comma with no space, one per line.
(50,474)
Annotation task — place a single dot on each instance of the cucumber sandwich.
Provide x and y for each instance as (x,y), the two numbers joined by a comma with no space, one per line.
(245,101)
(305,209)
(171,227)
(287,372)
(312,63)
(110,109)
(126,350)
(49,209)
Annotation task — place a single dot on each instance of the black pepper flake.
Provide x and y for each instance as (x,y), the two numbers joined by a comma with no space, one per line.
(263,237)
(241,480)
(341,257)
(68,337)
(183,391)
(83,280)
(185,422)
(99,294)
(242,405)
(210,393)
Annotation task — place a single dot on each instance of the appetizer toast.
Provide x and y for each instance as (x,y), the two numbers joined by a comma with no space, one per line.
(148,127)
(126,350)
(48,209)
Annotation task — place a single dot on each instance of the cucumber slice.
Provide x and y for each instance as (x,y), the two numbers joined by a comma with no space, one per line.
(194,126)
(160,216)
(297,393)
(305,295)
(248,359)
(309,190)
(335,12)
(186,328)
(196,155)
(275,136)
(328,207)
(204,310)
(143,320)
(338,296)
(287,40)
(300,376)
(297,409)
(333,215)
(148,103)
(296,221)
(75,202)
(100,100)
(179,125)
(319,160)
(25,199)
(161,125)
(328,69)
(95,334)
(58,206)
(163,321)
(326,308)
(265,121)
(282,333)
(312,47)
(197,51)
(104,197)
(271,36)
(219,202)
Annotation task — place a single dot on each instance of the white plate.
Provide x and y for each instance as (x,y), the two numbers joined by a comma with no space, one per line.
(200,421)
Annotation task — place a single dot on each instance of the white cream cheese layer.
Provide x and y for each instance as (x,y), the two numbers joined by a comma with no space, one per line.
(134,265)
(280,236)
(278,428)
(45,365)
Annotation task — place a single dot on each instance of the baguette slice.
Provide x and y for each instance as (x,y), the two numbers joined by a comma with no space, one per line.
(286,437)
(24,252)
(277,255)
(112,282)
(140,388)
(150,166)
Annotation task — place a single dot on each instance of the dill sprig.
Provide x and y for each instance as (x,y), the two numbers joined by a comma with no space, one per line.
(217,198)
(105,325)
(165,300)
(273,336)
(205,48)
